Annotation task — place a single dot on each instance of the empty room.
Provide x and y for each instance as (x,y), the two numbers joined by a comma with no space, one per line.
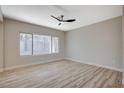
(61,46)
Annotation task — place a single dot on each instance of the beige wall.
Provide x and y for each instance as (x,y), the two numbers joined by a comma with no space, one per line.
(123,43)
(1,15)
(1,46)
(98,44)
(12,57)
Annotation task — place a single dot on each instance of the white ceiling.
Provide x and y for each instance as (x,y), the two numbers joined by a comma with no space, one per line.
(40,15)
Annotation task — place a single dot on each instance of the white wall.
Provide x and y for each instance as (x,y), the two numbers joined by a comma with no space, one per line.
(99,44)
(12,57)
(1,46)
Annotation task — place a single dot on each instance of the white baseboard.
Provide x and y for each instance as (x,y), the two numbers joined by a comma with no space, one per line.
(41,62)
(25,65)
(85,62)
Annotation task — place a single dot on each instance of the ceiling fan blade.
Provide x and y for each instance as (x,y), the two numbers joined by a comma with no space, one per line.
(55,18)
(70,20)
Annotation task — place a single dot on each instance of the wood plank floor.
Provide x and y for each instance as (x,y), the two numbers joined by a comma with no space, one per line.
(61,74)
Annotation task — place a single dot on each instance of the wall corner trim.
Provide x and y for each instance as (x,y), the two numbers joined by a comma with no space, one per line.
(123,81)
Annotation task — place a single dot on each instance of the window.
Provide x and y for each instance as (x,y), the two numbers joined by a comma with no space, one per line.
(25,44)
(55,44)
(41,44)
(38,44)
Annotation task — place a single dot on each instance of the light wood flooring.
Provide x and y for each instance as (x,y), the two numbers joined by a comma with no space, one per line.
(61,74)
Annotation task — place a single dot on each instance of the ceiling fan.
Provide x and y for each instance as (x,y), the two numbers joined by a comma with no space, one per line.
(61,20)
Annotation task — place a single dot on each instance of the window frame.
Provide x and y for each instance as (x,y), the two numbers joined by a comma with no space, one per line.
(32,51)
(31,44)
(45,53)
(52,44)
